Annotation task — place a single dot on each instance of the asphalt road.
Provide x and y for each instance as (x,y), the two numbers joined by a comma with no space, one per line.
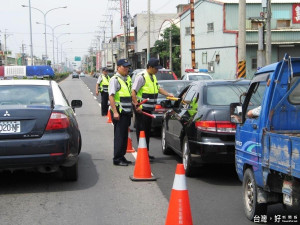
(104,194)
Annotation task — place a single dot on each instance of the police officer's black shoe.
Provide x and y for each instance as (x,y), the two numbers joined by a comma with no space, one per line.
(151,157)
(120,163)
(127,161)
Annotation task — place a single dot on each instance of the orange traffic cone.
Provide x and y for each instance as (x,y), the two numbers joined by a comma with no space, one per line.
(179,211)
(142,169)
(130,149)
(109,117)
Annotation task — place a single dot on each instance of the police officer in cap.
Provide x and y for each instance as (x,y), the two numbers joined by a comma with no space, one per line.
(102,86)
(145,86)
(121,108)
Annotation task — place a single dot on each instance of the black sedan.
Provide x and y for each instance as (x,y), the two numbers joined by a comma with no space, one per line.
(75,75)
(38,128)
(172,86)
(198,127)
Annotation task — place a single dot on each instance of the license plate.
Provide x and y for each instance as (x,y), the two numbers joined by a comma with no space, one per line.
(7,127)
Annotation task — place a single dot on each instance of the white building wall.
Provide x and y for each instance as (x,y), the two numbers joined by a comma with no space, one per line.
(141,22)
(216,42)
(212,43)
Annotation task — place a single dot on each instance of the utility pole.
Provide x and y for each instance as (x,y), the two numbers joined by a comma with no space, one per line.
(148,33)
(23,54)
(5,48)
(112,45)
(170,47)
(242,40)
(31,45)
(268,34)
(261,61)
(125,27)
(192,30)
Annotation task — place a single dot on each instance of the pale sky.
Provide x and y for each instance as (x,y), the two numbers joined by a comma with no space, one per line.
(85,18)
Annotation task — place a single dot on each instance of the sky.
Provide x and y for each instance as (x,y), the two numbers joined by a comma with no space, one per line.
(86,19)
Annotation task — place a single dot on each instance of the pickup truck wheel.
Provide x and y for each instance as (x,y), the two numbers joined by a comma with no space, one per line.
(251,206)
(186,158)
(70,173)
(165,149)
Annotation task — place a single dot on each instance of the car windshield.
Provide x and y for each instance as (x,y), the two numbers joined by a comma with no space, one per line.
(172,87)
(224,94)
(24,95)
(164,75)
(199,77)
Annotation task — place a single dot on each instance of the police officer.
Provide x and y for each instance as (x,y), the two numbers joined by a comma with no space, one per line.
(145,86)
(102,86)
(121,107)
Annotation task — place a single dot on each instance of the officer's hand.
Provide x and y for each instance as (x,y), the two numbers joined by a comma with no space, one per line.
(138,109)
(170,95)
(116,116)
(97,93)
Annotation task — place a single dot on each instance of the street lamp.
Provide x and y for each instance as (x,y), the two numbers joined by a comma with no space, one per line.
(62,50)
(53,28)
(30,25)
(45,23)
(57,45)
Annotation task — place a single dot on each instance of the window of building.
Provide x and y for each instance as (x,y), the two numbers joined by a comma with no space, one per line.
(210,27)
(187,31)
(254,63)
(283,23)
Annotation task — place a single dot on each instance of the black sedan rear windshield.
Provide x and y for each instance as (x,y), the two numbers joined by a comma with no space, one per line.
(224,94)
(24,95)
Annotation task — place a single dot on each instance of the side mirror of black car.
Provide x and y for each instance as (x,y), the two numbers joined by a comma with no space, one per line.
(166,103)
(236,114)
(76,104)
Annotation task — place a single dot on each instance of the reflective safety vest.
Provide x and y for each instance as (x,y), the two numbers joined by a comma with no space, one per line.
(103,86)
(149,90)
(123,96)
(129,82)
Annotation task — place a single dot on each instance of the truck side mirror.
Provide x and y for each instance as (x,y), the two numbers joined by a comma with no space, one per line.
(236,113)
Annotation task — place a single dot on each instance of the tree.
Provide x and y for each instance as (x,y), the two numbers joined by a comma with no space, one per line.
(161,47)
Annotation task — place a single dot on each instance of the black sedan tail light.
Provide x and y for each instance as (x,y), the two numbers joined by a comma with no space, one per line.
(58,121)
(216,126)
(159,109)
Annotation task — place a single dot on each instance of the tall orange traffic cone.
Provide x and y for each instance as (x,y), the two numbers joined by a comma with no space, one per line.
(109,117)
(179,211)
(130,149)
(142,169)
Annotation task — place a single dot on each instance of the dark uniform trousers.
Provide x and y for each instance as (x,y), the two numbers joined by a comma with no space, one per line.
(104,103)
(121,136)
(143,122)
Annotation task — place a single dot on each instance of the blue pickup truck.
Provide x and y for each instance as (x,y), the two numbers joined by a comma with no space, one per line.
(267,155)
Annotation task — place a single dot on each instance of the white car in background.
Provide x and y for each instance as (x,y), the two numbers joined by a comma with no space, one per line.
(195,74)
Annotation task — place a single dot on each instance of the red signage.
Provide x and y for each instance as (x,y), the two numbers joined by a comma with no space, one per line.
(296,13)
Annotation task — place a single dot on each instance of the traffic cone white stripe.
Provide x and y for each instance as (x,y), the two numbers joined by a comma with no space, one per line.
(142,143)
(179,183)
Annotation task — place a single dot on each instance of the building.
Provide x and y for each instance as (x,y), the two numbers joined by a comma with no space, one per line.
(139,57)
(216,35)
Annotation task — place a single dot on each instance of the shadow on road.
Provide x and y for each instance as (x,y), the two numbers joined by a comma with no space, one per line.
(20,182)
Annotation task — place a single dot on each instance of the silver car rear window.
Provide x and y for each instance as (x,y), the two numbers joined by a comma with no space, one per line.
(24,95)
